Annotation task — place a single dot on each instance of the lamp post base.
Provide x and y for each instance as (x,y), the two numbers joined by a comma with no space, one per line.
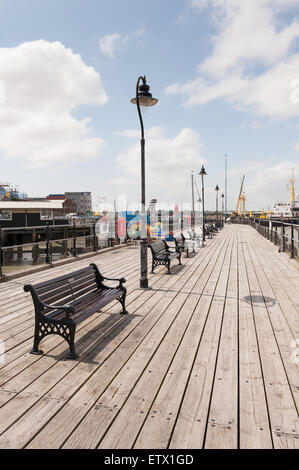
(143,283)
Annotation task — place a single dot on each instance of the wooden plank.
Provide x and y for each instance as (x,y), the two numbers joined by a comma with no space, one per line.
(282,332)
(161,417)
(255,430)
(281,407)
(191,422)
(222,427)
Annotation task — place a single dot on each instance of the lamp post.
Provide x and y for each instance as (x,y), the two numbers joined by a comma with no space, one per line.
(143,98)
(203,173)
(222,209)
(217,192)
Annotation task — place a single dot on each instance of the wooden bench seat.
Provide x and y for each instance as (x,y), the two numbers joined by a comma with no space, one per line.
(64,302)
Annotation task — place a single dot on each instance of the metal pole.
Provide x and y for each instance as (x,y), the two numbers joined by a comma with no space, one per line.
(193,207)
(203,207)
(225,186)
(292,241)
(47,243)
(222,211)
(94,236)
(143,242)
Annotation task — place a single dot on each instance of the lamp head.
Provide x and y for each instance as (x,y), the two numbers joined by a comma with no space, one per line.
(145,98)
(217,188)
(203,171)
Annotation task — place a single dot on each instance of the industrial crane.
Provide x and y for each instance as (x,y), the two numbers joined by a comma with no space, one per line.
(241,204)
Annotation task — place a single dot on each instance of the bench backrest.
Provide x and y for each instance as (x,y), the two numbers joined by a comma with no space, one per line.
(178,239)
(65,289)
(158,247)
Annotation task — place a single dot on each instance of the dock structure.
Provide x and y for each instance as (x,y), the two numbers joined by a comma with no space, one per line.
(208,358)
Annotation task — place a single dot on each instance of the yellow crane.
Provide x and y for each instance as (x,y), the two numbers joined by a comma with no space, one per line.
(291,188)
(241,204)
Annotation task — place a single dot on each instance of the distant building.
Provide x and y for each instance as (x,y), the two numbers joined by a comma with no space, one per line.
(68,205)
(83,201)
(30,213)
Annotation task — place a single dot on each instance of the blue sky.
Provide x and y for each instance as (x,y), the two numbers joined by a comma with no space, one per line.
(225,73)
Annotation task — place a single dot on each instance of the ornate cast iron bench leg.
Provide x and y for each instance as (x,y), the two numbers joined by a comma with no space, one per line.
(36,341)
(153,266)
(71,340)
(122,301)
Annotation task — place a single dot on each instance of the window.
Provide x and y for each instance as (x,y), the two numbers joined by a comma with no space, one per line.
(46,215)
(5,214)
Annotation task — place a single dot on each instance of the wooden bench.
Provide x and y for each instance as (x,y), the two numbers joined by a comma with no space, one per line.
(189,242)
(196,238)
(64,302)
(209,230)
(180,245)
(162,255)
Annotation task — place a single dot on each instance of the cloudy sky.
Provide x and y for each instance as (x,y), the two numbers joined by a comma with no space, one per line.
(226,73)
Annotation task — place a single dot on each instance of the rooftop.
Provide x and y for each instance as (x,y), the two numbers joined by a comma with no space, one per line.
(36,204)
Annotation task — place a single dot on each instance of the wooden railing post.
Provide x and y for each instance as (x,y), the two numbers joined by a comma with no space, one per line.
(94,237)
(282,231)
(48,261)
(74,240)
(292,241)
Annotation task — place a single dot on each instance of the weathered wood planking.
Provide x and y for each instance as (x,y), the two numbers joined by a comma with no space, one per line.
(151,380)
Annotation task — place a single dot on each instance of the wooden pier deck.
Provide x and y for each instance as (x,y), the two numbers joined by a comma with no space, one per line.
(206,359)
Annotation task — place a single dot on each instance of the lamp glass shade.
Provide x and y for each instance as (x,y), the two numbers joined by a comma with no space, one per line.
(145,100)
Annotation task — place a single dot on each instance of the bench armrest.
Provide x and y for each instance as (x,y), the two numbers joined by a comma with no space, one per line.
(174,250)
(121,281)
(69,309)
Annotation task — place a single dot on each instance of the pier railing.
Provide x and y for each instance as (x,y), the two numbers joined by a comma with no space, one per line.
(46,249)
(283,234)
(21,257)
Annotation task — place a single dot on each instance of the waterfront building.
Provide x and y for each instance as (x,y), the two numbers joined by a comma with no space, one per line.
(30,213)
(83,201)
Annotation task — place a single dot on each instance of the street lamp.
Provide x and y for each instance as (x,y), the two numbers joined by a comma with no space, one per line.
(222,209)
(217,191)
(143,98)
(203,173)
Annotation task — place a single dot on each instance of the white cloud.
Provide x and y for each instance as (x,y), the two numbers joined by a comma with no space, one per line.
(111,43)
(43,83)
(264,183)
(252,63)
(270,184)
(168,160)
